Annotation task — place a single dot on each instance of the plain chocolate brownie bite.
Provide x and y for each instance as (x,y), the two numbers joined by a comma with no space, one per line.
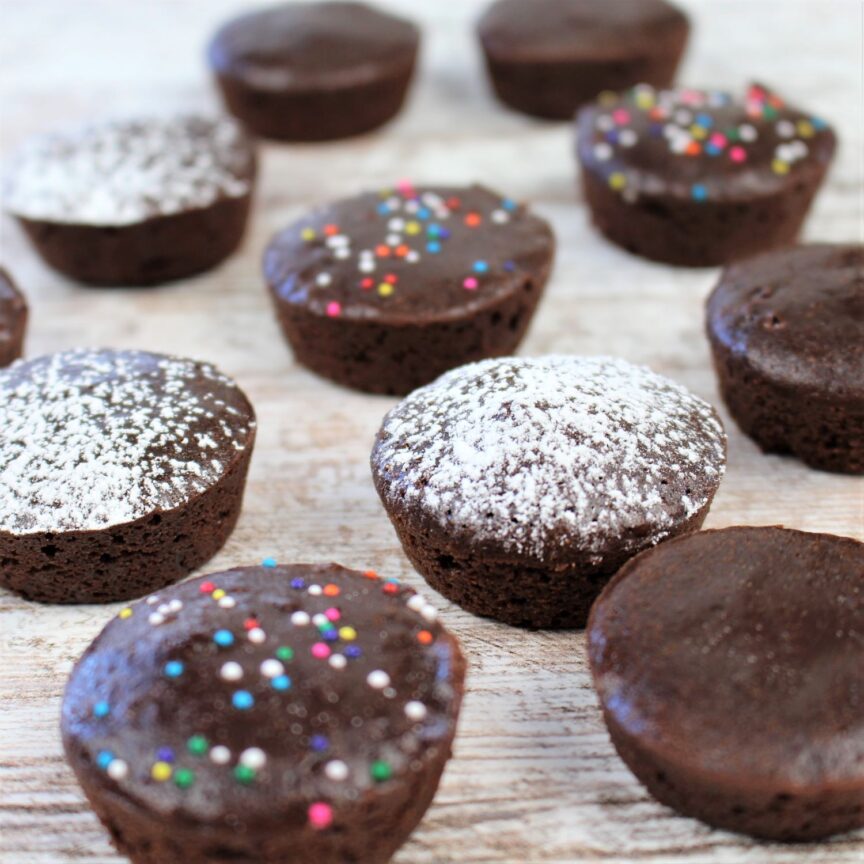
(120,471)
(787,333)
(13,319)
(298,714)
(314,71)
(700,177)
(517,487)
(730,668)
(549,57)
(134,201)
(385,291)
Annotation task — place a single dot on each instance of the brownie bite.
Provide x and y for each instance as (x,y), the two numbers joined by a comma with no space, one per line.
(134,201)
(700,177)
(517,487)
(787,333)
(385,291)
(120,471)
(13,319)
(549,57)
(730,668)
(297,714)
(314,71)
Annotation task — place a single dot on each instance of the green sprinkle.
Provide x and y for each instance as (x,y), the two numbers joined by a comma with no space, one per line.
(380,771)
(197,745)
(184,778)
(285,653)
(244,773)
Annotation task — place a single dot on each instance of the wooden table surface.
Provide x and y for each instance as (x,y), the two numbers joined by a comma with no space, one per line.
(534,777)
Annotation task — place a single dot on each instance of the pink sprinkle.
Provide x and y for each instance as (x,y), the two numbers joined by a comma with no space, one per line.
(320,816)
(470,284)
(334,309)
(320,651)
(621,116)
(406,188)
(718,139)
(738,154)
(333,614)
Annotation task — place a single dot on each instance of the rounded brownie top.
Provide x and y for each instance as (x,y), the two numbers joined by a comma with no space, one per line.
(96,438)
(797,315)
(426,252)
(274,695)
(533,456)
(700,145)
(575,30)
(120,172)
(310,45)
(13,307)
(760,626)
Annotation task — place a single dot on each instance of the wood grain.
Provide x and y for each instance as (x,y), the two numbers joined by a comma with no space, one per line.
(534,778)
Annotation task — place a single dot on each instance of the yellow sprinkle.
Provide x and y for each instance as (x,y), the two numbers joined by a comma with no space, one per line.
(308,234)
(805,129)
(780,167)
(126,613)
(218,594)
(698,132)
(161,771)
(347,634)
(412,228)
(385,289)
(607,97)
(617,180)
(644,99)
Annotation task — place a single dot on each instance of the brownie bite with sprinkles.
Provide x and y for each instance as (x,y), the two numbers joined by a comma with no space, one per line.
(134,201)
(700,177)
(281,714)
(385,291)
(120,471)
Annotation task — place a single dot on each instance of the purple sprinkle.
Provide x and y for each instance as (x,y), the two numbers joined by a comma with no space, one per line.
(509,266)
(298,583)
(330,635)
(444,233)
(319,743)
(165,754)
(352,651)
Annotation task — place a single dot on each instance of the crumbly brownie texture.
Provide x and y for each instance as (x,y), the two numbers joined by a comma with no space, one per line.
(134,202)
(519,486)
(787,331)
(699,178)
(120,471)
(548,57)
(314,71)
(730,668)
(13,319)
(296,714)
(384,292)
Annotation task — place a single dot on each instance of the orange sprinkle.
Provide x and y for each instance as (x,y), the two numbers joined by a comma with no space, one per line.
(370,574)
(472,220)
(694,148)
(382,251)
(331,590)
(424,637)
(402,250)
(330,230)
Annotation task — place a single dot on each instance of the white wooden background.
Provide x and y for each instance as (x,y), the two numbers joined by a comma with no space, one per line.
(534,778)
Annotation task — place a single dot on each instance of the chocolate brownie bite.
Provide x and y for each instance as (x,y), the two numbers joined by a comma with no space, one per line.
(134,201)
(730,668)
(517,487)
(384,292)
(13,319)
(700,177)
(298,714)
(787,333)
(314,71)
(120,471)
(549,57)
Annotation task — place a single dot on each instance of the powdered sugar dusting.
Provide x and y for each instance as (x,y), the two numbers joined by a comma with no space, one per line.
(536,453)
(119,172)
(90,439)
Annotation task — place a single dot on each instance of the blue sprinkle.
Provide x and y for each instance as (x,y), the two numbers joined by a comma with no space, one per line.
(612,136)
(434,247)
(174,668)
(699,192)
(423,213)
(104,759)
(509,204)
(101,709)
(298,583)
(330,635)
(818,123)
(352,651)
(281,682)
(268,562)
(481,267)
(223,638)
(165,754)
(242,700)
(705,120)
(383,208)
(319,743)
(713,149)
(433,230)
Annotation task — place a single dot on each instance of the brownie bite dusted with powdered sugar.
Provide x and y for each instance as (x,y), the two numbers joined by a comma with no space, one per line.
(137,201)
(120,471)
(385,291)
(13,319)
(700,177)
(296,714)
(519,486)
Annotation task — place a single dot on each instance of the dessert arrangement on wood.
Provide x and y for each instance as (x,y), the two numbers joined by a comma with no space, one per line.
(305,713)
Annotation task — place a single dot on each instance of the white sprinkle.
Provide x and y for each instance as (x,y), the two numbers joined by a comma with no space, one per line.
(300,618)
(256,635)
(271,668)
(747,132)
(156,619)
(231,671)
(429,612)
(500,217)
(254,758)
(337,661)
(336,770)
(315,590)
(785,128)
(602,151)
(220,755)
(415,710)
(413,256)
(227,602)
(320,619)
(323,279)
(378,679)
(627,138)
(118,769)
(416,602)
